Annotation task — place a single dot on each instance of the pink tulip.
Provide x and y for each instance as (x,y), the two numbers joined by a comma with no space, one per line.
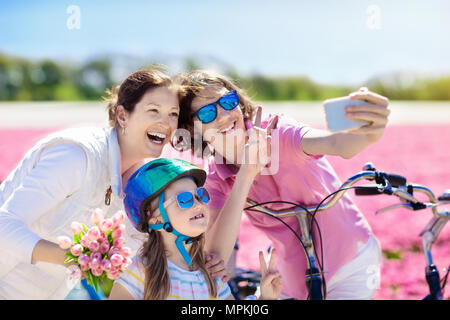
(114,269)
(126,252)
(64,242)
(118,231)
(105,225)
(75,273)
(97,216)
(104,246)
(94,263)
(116,259)
(84,267)
(113,250)
(102,237)
(97,272)
(128,261)
(125,264)
(76,227)
(118,242)
(93,233)
(97,255)
(94,246)
(106,265)
(118,218)
(76,250)
(85,241)
(113,276)
(83,259)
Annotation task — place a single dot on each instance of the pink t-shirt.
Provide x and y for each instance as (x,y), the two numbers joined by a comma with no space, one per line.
(303,179)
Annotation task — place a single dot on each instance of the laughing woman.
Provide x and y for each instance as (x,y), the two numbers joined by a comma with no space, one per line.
(71,172)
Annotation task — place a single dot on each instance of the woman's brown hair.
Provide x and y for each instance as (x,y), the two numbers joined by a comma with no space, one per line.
(193,83)
(130,92)
(153,257)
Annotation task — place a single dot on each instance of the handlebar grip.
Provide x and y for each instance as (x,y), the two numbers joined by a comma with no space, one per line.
(445,196)
(367,191)
(395,180)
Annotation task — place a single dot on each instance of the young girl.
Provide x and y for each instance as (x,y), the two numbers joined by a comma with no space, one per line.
(165,198)
(300,174)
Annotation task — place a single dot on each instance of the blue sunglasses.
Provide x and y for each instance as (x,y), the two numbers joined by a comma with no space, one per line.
(185,199)
(208,113)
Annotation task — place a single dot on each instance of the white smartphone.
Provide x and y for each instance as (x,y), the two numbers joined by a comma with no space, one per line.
(335,114)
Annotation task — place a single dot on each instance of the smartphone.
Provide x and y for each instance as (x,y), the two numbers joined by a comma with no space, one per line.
(335,114)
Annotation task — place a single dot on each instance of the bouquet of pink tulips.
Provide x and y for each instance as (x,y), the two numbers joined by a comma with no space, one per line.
(98,251)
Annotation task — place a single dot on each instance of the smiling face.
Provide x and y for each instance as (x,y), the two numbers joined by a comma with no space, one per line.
(226,133)
(192,221)
(150,125)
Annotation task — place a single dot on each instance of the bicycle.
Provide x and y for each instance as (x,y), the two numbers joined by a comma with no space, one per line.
(386,183)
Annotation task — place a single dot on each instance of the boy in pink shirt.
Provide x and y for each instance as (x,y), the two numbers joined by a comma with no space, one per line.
(298,173)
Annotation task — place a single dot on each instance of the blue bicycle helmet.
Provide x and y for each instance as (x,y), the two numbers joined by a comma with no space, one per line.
(148,183)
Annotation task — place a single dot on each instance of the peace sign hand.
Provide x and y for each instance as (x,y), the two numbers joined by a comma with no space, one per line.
(257,150)
(271,281)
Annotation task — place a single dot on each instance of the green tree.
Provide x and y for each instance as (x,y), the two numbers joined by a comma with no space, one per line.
(94,78)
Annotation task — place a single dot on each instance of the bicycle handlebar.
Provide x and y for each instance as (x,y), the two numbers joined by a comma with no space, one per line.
(387,183)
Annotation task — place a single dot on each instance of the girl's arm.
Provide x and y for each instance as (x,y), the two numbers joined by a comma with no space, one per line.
(225,222)
(119,292)
(348,144)
(230,297)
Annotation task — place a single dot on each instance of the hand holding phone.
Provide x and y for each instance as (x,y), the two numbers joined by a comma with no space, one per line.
(335,114)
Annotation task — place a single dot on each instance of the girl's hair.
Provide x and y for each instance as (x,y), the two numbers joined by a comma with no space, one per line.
(193,82)
(130,92)
(153,258)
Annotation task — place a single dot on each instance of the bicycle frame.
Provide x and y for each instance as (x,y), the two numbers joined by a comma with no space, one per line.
(313,279)
(429,235)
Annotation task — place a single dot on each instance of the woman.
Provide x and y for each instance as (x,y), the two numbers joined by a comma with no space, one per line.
(68,174)
(220,114)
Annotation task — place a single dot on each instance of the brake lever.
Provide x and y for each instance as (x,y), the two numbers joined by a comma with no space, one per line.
(405,195)
(394,206)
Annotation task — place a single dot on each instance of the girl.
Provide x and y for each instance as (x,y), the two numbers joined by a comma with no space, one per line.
(68,174)
(165,199)
(299,174)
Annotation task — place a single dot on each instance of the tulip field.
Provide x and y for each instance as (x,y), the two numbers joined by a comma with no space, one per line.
(418,152)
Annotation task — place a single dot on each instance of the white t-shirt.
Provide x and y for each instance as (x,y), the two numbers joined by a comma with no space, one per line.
(184,284)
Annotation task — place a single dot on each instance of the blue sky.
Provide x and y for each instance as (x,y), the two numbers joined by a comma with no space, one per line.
(340,42)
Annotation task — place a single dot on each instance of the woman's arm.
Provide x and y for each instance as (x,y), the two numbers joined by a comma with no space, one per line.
(348,144)
(59,172)
(46,251)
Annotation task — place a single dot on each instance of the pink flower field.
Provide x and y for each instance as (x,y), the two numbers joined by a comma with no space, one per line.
(419,152)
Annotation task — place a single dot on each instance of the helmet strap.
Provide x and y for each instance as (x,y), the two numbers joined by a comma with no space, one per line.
(167,226)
